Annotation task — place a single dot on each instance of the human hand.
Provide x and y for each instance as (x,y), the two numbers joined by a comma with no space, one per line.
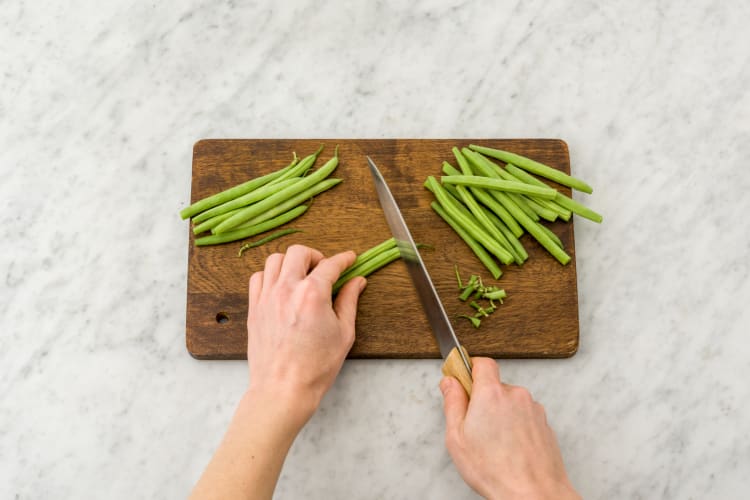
(297,337)
(500,441)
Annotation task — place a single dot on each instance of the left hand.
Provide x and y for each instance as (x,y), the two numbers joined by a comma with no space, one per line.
(297,337)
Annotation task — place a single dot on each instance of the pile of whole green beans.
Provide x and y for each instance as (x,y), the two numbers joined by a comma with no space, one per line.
(260,204)
(490,207)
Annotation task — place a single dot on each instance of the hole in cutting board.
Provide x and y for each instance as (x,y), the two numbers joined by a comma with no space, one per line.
(222,318)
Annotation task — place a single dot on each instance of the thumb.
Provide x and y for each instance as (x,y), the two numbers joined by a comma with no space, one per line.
(455,403)
(346,302)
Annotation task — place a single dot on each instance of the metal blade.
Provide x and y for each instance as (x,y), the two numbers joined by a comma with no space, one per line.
(438,319)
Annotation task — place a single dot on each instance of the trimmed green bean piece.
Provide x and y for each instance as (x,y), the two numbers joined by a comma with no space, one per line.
(500,185)
(478,250)
(474,321)
(293,202)
(473,228)
(534,167)
(246,232)
(270,237)
(552,235)
(486,199)
(232,193)
(256,209)
(368,267)
(246,199)
(213,222)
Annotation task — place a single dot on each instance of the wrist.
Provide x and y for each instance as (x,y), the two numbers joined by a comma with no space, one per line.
(289,404)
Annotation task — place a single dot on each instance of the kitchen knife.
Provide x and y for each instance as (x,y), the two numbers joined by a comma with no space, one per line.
(457,361)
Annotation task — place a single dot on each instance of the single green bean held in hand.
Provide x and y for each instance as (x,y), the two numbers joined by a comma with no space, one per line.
(256,209)
(233,192)
(534,167)
(270,237)
(246,232)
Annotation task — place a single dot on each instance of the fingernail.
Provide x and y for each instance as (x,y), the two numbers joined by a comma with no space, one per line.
(362,284)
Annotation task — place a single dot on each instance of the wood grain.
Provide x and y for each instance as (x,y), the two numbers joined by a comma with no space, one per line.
(538,319)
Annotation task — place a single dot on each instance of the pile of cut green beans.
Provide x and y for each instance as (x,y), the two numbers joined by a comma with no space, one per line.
(491,206)
(262,203)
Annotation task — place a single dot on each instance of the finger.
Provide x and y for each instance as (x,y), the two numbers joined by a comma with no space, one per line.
(272,269)
(253,294)
(298,261)
(455,403)
(346,303)
(485,371)
(329,269)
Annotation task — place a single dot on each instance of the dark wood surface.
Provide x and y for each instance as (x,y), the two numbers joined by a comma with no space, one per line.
(538,319)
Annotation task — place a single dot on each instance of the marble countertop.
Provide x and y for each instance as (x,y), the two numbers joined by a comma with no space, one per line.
(100,104)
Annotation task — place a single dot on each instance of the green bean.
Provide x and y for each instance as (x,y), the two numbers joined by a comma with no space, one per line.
(514,241)
(485,199)
(368,267)
(478,250)
(370,253)
(256,209)
(514,246)
(300,169)
(565,202)
(552,235)
(542,211)
(578,208)
(246,232)
(231,193)
(473,228)
(524,176)
(482,219)
(533,228)
(485,167)
(292,202)
(247,199)
(534,167)
(213,221)
(500,185)
(270,237)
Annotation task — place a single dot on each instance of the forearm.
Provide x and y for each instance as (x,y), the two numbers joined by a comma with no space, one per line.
(249,459)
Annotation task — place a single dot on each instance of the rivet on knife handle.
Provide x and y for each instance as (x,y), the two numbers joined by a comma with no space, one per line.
(454,367)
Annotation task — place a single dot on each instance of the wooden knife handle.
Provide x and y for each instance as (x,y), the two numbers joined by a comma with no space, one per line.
(454,367)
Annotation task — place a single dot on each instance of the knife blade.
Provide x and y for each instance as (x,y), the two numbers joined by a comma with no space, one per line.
(457,361)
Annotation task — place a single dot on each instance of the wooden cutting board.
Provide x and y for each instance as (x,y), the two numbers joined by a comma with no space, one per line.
(538,319)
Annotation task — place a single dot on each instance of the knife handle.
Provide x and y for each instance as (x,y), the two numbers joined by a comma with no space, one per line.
(454,367)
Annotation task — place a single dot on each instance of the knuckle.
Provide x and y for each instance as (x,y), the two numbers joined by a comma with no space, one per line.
(522,394)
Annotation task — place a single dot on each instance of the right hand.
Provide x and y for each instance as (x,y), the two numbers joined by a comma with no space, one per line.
(500,440)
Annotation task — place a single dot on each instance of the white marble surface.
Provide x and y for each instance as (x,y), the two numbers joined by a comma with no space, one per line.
(100,103)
